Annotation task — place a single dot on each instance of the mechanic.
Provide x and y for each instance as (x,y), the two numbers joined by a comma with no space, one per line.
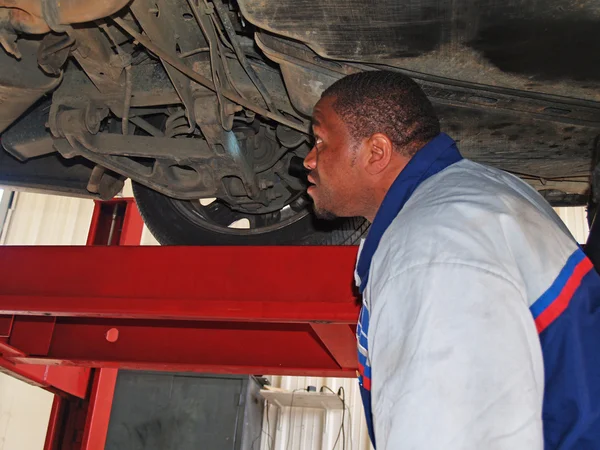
(480,323)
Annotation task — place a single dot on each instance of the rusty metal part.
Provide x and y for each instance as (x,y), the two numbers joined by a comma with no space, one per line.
(22,83)
(95,56)
(39,16)
(181,168)
(54,51)
(19,20)
(146,126)
(176,63)
(185,172)
(151,87)
(105,183)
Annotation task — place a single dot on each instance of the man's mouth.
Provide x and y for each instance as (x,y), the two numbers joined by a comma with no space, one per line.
(312,185)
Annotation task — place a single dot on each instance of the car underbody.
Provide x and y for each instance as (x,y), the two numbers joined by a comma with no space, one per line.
(199,99)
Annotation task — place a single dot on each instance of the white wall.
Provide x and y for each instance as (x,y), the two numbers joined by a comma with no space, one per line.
(24,413)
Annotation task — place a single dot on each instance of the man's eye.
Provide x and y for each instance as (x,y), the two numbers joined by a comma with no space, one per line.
(318,141)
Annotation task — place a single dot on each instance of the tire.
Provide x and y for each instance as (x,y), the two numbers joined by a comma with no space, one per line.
(179,222)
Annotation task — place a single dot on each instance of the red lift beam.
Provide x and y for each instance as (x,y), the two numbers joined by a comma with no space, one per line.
(287,311)
(260,310)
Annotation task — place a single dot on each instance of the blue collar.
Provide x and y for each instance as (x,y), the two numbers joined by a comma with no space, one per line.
(438,154)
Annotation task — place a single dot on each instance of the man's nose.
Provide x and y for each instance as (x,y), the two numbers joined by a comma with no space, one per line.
(310,162)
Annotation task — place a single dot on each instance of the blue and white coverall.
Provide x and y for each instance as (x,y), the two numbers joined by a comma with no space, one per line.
(480,325)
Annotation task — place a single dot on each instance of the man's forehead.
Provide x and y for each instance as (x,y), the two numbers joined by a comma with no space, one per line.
(322,112)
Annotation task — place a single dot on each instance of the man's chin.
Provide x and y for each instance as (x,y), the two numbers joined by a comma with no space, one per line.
(324,214)
(320,212)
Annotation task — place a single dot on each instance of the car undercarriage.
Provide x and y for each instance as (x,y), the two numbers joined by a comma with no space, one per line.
(205,105)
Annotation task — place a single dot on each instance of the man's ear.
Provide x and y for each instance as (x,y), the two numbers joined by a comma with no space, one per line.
(379,153)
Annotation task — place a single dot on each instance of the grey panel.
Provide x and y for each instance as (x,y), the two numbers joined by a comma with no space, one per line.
(162,411)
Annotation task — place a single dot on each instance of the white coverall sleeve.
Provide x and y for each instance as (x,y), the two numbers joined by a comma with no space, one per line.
(456,362)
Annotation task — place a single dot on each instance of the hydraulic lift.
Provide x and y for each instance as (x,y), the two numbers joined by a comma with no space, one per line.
(70,317)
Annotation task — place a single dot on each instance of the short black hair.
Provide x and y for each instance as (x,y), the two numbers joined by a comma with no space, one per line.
(384,102)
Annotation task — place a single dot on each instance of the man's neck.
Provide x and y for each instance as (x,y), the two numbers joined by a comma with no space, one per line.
(383,185)
(379,191)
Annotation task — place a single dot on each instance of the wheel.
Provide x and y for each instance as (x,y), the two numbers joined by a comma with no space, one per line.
(179,222)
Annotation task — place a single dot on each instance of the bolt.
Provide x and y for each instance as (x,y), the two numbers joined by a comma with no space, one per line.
(93,118)
(265,184)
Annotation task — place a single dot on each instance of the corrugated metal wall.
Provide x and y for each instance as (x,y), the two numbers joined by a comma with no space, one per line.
(45,220)
(38,219)
(576,221)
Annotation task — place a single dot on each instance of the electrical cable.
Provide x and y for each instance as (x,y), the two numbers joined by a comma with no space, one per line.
(350,427)
(287,445)
(271,439)
(341,431)
(343,417)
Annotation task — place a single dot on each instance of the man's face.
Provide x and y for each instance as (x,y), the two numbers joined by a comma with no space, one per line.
(334,177)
